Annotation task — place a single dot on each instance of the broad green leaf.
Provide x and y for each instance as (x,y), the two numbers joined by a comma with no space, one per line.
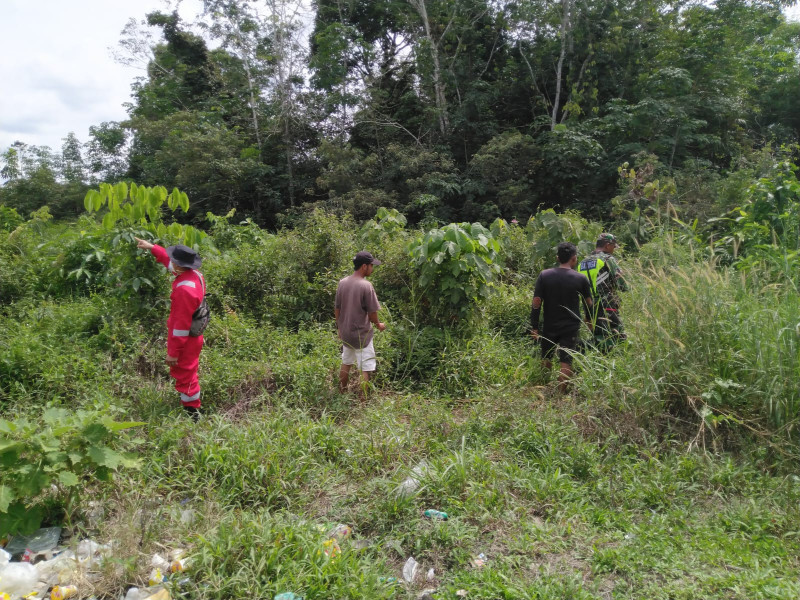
(88,200)
(97,202)
(9,445)
(20,519)
(184,201)
(108,221)
(106,457)
(121,191)
(451,248)
(34,483)
(55,458)
(55,416)
(6,497)
(135,282)
(68,478)
(120,425)
(95,432)
(464,241)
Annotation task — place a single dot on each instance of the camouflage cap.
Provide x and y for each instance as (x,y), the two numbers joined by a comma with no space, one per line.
(607,238)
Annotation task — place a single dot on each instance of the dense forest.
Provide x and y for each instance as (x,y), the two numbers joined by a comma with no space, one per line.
(445,110)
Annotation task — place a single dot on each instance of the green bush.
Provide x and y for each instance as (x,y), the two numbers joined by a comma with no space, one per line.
(64,448)
(457,266)
(291,277)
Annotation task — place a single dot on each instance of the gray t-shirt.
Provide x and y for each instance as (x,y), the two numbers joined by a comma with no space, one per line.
(355,299)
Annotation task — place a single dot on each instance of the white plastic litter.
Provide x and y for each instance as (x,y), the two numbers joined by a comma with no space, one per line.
(412,482)
(17,579)
(410,569)
(59,570)
(5,557)
(431,575)
(134,594)
(159,562)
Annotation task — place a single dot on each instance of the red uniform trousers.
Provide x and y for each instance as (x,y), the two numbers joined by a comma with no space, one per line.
(185,372)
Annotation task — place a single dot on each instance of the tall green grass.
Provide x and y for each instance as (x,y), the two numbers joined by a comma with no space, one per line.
(703,336)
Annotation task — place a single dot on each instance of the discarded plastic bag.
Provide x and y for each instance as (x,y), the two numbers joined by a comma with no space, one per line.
(44,539)
(479,561)
(340,532)
(412,482)
(159,562)
(17,579)
(61,569)
(410,569)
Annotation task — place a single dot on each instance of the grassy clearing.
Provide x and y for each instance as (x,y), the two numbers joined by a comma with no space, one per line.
(525,478)
(667,473)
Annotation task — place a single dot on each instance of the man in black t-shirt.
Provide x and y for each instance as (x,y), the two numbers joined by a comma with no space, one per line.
(560,290)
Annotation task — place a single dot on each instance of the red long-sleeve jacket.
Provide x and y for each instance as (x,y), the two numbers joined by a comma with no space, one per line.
(188,290)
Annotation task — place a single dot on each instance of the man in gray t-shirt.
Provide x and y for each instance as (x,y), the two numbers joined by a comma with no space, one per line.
(356,309)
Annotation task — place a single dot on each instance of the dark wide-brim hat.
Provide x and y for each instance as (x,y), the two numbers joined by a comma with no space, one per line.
(183,256)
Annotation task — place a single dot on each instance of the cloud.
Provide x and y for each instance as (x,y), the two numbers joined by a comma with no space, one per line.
(62,76)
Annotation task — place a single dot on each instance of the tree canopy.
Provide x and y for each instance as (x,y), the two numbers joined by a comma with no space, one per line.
(449,110)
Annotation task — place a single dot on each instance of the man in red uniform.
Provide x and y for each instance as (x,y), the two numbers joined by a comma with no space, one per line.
(188,291)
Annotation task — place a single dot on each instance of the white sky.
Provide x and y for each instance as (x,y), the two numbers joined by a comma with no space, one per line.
(57,73)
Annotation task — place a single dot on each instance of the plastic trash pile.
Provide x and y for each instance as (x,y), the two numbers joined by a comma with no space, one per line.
(37,568)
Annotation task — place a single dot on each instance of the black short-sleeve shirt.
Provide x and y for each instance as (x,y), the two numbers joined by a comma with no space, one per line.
(561,291)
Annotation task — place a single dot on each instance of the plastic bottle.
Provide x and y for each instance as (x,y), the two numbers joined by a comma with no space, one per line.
(156,577)
(60,592)
(436,514)
(179,565)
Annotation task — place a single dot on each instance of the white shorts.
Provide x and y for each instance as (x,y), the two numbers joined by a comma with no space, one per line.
(364,358)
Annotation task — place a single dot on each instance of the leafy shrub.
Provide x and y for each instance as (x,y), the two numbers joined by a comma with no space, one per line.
(291,277)
(31,359)
(508,310)
(10,219)
(65,448)
(547,229)
(457,265)
(133,211)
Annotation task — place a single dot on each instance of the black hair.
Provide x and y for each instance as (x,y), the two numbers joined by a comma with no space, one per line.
(566,250)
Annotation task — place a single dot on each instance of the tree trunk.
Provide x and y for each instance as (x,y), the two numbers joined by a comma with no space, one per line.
(438,84)
(565,28)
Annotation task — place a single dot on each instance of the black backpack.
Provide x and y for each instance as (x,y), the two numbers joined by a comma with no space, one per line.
(201,316)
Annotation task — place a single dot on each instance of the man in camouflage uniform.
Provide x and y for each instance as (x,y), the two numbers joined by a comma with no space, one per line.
(606,281)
